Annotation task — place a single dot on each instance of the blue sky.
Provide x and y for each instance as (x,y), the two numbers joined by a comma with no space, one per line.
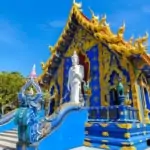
(28,27)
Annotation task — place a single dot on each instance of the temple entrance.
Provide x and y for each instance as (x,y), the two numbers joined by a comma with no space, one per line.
(83,61)
(113,97)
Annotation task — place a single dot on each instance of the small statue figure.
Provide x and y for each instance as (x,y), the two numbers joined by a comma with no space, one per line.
(26,116)
(120,88)
(120,91)
(75,78)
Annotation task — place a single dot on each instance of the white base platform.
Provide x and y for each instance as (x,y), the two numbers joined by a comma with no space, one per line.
(85,148)
(89,148)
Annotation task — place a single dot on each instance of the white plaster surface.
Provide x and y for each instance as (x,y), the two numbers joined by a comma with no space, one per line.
(85,148)
(89,148)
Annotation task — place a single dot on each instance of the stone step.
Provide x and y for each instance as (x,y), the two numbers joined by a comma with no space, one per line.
(8,139)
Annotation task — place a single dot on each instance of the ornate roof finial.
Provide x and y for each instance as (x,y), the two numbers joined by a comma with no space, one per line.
(51,48)
(78,5)
(131,39)
(143,39)
(121,30)
(94,18)
(43,65)
(103,20)
(33,72)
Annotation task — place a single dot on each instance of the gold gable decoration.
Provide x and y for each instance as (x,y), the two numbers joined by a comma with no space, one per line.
(101,31)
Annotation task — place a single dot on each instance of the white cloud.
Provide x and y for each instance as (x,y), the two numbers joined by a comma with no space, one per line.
(57,23)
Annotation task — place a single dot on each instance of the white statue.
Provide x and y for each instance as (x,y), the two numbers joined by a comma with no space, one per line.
(75,78)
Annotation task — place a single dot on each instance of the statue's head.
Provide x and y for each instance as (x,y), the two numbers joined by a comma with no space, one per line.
(75,59)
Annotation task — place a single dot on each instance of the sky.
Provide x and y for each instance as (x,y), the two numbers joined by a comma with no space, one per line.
(28,27)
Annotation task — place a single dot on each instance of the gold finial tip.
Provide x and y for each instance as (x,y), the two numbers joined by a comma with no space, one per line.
(49,46)
(93,15)
(132,37)
(124,25)
(79,5)
(105,16)
(91,11)
(147,35)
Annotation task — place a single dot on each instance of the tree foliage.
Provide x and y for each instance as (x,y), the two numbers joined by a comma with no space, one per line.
(10,85)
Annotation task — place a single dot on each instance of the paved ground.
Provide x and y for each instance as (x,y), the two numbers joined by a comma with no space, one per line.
(8,140)
(85,148)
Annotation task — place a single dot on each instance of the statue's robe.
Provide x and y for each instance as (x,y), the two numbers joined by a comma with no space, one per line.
(76,75)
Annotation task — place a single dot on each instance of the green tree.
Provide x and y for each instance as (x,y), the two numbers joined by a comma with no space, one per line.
(10,85)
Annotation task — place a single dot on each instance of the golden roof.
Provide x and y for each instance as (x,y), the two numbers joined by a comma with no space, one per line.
(101,31)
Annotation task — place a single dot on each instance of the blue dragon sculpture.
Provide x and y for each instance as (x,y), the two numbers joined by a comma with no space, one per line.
(27,117)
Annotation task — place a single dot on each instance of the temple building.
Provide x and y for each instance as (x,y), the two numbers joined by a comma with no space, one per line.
(118,73)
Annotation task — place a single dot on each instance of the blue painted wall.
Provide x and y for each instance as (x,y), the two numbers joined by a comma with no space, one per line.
(67,65)
(68,135)
(93,55)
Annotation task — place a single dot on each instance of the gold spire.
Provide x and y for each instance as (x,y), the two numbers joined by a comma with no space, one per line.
(42,65)
(103,21)
(139,43)
(131,39)
(121,31)
(142,40)
(78,5)
(51,48)
(95,19)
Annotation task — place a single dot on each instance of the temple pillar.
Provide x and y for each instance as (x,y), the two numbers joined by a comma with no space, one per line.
(134,88)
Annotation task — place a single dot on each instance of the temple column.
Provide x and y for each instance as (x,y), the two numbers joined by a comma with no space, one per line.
(134,88)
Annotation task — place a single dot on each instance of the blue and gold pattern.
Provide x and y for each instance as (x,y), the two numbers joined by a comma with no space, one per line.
(111,125)
(93,54)
(67,65)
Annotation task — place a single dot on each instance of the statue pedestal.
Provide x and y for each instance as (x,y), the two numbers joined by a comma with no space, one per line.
(127,114)
(25,146)
(121,99)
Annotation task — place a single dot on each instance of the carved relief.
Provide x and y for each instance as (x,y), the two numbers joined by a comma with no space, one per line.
(82,41)
(108,66)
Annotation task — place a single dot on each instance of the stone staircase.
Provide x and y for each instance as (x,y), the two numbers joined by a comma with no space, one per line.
(8,140)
